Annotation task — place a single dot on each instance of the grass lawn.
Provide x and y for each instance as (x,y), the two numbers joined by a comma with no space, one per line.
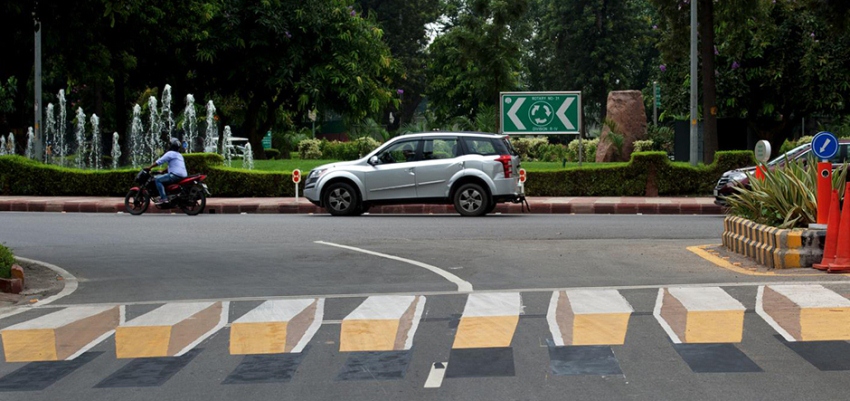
(307,165)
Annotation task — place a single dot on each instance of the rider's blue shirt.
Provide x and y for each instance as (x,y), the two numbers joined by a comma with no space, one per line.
(176,165)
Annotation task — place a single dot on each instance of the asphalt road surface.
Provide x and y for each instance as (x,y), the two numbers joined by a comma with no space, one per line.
(506,307)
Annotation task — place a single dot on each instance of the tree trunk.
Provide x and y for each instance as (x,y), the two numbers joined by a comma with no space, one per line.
(120,103)
(709,84)
(251,120)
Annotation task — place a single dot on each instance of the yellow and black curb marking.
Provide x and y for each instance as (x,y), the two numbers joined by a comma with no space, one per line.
(773,247)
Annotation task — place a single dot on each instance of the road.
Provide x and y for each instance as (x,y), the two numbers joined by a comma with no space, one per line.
(413,307)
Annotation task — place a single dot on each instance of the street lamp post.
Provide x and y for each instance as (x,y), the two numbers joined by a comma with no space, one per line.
(37,128)
(694,79)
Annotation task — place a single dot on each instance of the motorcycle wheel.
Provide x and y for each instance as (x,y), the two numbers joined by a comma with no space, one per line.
(137,202)
(196,203)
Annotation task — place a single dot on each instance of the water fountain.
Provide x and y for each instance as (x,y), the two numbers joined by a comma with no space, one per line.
(212,129)
(225,149)
(49,132)
(12,144)
(116,150)
(166,116)
(248,157)
(81,139)
(61,146)
(136,141)
(2,145)
(190,122)
(96,154)
(29,151)
(153,139)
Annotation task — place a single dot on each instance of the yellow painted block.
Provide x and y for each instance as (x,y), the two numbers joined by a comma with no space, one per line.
(257,338)
(825,324)
(368,335)
(142,341)
(485,331)
(29,345)
(714,327)
(600,329)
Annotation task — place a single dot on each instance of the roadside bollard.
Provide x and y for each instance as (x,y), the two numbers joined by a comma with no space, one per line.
(842,253)
(831,234)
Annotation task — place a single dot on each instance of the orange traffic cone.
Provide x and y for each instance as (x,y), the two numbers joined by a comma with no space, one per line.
(831,234)
(842,252)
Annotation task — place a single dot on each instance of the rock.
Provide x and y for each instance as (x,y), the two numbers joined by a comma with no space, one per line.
(625,109)
(18,273)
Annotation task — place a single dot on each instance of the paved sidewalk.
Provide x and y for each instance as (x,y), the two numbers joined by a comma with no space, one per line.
(560,205)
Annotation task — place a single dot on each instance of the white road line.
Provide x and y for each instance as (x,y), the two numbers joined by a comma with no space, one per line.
(462,285)
(68,289)
(768,319)
(664,325)
(438,372)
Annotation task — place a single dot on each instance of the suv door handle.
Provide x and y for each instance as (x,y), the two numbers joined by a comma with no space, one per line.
(410,170)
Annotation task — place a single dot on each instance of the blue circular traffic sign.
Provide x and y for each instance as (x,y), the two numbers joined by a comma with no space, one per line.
(825,145)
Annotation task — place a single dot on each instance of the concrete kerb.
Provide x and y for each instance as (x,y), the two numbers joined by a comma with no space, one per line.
(771,246)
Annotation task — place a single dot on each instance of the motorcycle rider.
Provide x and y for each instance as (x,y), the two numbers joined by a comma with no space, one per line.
(176,169)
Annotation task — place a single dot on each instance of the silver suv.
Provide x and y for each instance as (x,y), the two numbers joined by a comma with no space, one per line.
(473,171)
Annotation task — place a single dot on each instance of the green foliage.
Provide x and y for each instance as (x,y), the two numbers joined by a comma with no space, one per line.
(6,262)
(310,149)
(614,137)
(287,141)
(644,146)
(786,198)
(369,128)
(350,150)
(841,127)
(530,148)
(589,147)
(661,137)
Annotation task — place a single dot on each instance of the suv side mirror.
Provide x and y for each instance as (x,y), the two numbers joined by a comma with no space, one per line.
(373,160)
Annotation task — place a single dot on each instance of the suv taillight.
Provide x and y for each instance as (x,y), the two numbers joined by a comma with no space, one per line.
(506,164)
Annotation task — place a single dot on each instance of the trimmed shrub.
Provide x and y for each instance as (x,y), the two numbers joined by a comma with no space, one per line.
(530,148)
(589,147)
(6,262)
(271,153)
(310,149)
(644,146)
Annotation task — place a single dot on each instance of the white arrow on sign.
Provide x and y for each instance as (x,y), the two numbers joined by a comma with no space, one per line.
(562,110)
(513,110)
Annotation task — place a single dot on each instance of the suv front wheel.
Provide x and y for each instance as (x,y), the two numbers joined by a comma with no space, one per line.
(471,200)
(341,199)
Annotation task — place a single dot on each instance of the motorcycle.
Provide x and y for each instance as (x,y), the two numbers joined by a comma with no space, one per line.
(189,194)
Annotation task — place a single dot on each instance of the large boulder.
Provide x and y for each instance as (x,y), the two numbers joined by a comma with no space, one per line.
(625,109)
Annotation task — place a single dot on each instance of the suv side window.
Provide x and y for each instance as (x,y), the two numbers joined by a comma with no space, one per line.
(440,148)
(841,156)
(480,146)
(400,152)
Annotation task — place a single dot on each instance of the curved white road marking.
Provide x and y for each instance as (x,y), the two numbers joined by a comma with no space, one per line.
(70,287)
(462,285)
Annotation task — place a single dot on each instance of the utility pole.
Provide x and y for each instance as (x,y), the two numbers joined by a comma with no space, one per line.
(694,78)
(37,127)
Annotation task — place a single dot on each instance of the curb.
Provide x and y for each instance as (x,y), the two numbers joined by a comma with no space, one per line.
(683,206)
(771,246)
(70,281)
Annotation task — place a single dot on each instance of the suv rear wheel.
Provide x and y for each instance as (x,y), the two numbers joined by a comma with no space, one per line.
(471,200)
(341,199)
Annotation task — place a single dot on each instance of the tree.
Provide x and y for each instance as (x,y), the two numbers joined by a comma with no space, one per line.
(477,57)
(299,55)
(404,23)
(593,46)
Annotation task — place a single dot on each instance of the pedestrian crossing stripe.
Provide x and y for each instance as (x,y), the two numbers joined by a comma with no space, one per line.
(61,335)
(170,330)
(588,317)
(382,323)
(488,321)
(277,326)
(700,315)
(805,312)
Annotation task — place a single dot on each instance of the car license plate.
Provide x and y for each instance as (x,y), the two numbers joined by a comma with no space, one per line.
(715,192)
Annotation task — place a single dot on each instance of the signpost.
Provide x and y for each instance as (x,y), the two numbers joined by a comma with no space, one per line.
(762,152)
(825,147)
(540,113)
(296,178)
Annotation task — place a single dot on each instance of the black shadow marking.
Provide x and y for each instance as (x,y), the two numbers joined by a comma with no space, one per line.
(716,358)
(583,360)
(37,376)
(375,365)
(824,355)
(271,368)
(148,372)
(481,362)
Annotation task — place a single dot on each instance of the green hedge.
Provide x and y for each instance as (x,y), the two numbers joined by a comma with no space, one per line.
(632,179)
(21,176)
(6,262)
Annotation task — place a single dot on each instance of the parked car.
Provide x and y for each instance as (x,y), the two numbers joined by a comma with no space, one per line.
(741,177)
(473,171)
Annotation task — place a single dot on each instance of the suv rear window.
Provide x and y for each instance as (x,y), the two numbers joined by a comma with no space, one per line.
(488,146)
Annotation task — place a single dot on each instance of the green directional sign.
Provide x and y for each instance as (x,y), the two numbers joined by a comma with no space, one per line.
(267,140)
(540,112)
